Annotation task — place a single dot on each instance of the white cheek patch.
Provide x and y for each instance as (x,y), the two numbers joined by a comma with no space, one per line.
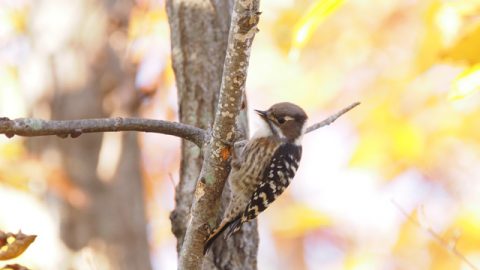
(298,141)
(262,131)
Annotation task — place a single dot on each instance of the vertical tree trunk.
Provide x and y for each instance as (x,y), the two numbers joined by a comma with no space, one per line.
(199,33)
(110,218)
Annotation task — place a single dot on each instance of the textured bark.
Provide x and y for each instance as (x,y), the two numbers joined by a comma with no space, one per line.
(198,50)
(216,163)
(199,32)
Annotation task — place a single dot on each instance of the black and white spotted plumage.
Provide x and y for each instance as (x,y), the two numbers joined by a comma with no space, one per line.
(275,180)
(264,169)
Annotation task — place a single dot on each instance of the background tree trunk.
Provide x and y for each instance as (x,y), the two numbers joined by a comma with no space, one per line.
(199,33)
(107,215)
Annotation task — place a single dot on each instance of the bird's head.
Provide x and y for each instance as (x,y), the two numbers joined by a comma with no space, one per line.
(284,120)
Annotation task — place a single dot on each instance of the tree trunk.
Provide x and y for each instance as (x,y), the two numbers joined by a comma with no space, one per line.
(199,34)
(107,215)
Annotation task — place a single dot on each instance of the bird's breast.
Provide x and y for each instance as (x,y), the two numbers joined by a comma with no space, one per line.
(256,154)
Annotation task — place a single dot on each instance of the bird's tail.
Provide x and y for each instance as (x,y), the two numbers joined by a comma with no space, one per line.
(231,226)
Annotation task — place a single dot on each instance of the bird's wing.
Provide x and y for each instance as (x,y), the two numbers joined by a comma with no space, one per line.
(275,179)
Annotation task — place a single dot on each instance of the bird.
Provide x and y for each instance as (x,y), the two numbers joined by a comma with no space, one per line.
(264,167)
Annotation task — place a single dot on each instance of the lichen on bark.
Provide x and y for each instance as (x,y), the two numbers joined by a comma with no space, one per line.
(201,29)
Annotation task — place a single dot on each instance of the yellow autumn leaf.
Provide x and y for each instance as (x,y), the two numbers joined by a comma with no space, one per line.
(296,219)
(390,143)
(430,44)
(145,22)
(362,262)
(470,222)
(408,142)
(368,152)
(13,20)
(465,50)
(467,83)
(468,227)
(441,257)
(13,150)
(308,23)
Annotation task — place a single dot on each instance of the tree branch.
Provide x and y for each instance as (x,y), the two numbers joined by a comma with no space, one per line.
(331,118)
(31,127)
(436,236)
(215,168)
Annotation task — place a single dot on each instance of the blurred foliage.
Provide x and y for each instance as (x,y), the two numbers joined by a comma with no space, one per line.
(468,82)
(414,65)
(300,219)
(14,267)
(309,22)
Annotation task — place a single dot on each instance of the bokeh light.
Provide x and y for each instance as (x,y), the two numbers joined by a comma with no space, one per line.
(394,184)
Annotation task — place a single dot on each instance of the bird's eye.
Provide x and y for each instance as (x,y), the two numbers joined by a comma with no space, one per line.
(281,120)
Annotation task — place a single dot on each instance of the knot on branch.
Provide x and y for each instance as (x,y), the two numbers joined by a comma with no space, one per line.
(6,124)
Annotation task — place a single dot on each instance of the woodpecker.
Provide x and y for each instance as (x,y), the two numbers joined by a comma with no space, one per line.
(264,168)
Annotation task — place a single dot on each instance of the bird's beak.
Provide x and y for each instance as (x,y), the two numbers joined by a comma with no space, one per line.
(262,114)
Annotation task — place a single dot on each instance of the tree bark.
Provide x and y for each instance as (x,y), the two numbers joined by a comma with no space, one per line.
(32,127)
(199,34)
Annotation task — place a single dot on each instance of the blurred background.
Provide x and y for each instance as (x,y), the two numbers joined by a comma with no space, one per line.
(394,184)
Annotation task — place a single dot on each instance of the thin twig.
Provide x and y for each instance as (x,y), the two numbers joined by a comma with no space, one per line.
(436,236)
(31,127)
(332,118)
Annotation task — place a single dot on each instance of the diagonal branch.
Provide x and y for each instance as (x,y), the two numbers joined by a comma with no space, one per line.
(31,127)
(436,236)
(325,122)
(331,118)
(215,166)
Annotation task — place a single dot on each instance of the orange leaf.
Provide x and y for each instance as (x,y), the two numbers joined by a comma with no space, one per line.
(225,153)
(12,245)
